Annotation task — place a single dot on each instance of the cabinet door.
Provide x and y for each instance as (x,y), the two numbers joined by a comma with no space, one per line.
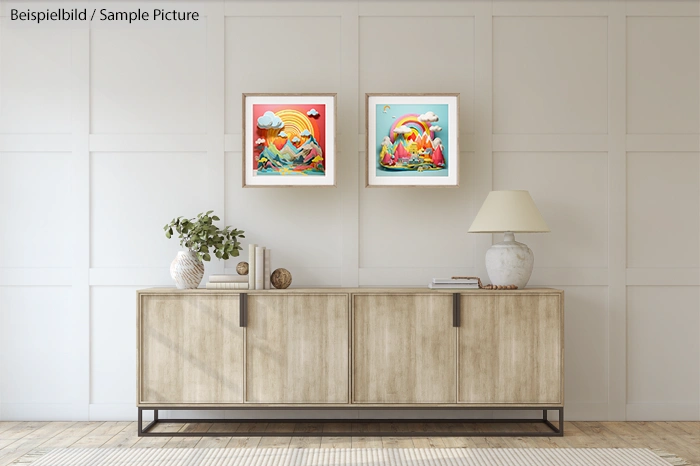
(510,349)
(297,348)
(190,349)
(404,349)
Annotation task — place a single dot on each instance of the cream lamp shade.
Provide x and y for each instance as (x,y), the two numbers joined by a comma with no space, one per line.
(509,212)
(513,211)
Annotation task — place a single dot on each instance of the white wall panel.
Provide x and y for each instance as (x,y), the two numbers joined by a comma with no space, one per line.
(663,71)
(112,344)
(37,345)
(391,236)
(133,195)
(279,55)
(35,82)
(148,80)
(570,190)
(663,346)
(440,59)
(663,201)
(36,211)
(550,75)
(586,338)
(300,225)
(553,95)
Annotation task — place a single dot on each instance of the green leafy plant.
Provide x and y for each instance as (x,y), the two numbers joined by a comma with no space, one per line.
(200,234)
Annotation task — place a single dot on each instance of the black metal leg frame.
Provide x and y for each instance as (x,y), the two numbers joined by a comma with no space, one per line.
(555,431)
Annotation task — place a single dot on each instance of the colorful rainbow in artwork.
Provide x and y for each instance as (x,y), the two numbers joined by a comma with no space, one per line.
(411,121)
(295,122)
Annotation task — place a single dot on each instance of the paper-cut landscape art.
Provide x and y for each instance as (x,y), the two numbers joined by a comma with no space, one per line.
(289,140)
(412,140)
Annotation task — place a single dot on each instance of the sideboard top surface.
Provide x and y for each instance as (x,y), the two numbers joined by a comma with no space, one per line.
(365,290)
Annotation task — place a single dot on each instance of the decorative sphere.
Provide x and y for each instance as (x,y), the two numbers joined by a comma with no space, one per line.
(242,268)
(281,279)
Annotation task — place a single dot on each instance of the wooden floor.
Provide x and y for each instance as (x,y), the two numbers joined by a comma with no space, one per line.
(19,438)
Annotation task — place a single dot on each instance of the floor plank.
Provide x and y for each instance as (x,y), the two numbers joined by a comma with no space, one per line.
(72,434)
(366,442)
(124,439)
(277,442)
(32,440)
(21,438)
(101,435)
(306,441)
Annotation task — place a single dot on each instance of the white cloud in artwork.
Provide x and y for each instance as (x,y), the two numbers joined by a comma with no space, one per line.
(436,128)
(386,141)
(403,129)
(306,133)
(428,116)
(296,139)
(283,134)
(259,141)
(313,112)
(270,121)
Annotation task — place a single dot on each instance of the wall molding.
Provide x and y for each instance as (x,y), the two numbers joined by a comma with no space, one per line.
(80,109)
(663,276)
(36,143)
(545,8)
(44,411)
(663,143)
(617,211)
(550,142)
(586,411)
(36,276)
(663,411)
(149,142)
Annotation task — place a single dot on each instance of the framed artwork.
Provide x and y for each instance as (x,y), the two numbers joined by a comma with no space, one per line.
(412,139)
(289,139)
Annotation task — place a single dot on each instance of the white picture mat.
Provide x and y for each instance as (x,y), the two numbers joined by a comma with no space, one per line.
(453,156)
(250,179)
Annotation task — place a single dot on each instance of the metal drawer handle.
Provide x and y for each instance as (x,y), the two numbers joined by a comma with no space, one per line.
(243,309)
(455,309)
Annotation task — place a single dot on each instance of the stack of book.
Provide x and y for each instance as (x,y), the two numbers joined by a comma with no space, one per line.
(228,282)
(259,267)
(454,283)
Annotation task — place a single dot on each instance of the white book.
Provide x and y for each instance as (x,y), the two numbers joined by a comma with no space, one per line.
(268,269)
(453,286)
(251,266)
(227,286)
(228,278)
(260,268)
(455,280)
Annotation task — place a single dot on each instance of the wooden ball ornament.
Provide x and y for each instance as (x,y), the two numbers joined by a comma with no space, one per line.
(499,287)
(281,279)
(242,268)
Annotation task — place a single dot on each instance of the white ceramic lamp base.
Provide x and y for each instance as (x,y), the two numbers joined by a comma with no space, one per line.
(509,262)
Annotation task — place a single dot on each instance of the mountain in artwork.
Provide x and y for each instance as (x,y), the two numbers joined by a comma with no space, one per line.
(412,145)
(287,144)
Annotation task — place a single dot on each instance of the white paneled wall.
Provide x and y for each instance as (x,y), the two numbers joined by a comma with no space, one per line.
(107,133)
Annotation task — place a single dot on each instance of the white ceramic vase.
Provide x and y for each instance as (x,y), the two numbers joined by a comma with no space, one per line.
(187,270)
(509,262)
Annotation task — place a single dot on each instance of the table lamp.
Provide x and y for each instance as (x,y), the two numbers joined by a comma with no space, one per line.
(509,212)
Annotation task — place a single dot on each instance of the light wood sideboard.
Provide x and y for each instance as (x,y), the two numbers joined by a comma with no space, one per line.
(356,348)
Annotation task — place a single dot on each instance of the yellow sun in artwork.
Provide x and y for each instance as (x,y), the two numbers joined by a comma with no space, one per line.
(295,123)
